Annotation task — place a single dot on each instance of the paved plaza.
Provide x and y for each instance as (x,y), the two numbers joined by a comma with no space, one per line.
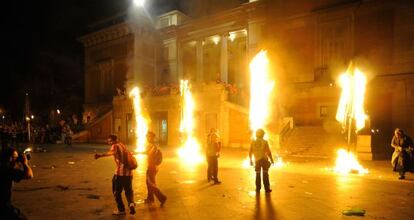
(70,184)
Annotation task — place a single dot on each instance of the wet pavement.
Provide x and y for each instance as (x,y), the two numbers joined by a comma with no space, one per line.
(70,184)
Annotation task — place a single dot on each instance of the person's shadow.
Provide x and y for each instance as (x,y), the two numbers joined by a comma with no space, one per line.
(264,208)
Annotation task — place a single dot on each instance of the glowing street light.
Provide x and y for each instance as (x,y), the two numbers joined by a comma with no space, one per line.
(58,111)
(139,3)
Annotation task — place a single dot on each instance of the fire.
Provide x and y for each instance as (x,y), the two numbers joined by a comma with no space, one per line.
(351,115)
(261,88)
(190,150)
(351,103)
(141,122)
(346,163)
(260,91)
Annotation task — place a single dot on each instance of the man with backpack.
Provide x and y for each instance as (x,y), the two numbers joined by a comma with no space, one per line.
(260,149)
(154,160)
(122,180)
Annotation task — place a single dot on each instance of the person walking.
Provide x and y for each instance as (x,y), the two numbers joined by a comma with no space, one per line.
(212,155)
(154,160)
(402,157)
(122,179)
(259,148)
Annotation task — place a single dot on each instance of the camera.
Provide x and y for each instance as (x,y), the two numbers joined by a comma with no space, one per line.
(26,153)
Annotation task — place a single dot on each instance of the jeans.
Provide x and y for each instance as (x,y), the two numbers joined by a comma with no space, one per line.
(152,186)
(10,212)
(120,183)
(262,165)
(212,168)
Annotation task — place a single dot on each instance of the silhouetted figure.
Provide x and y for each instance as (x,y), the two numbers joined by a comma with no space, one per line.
(154,160)
(212,155)
(122,179)
(259,148)
(402,158)
(10,171)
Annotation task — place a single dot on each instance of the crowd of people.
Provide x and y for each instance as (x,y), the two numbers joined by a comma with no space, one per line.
(16,133)
(260,157)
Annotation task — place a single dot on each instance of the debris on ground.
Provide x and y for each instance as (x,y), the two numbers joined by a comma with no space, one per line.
(39,150)
(62,188)
(71,162)
(354,212)
(92,196)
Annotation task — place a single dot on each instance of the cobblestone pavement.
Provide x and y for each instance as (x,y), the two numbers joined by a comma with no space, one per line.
(70,184)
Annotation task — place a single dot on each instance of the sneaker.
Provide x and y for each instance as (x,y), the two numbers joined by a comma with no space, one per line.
(216,182)
(163,201)
(268,190)
(117,212)
(132,208)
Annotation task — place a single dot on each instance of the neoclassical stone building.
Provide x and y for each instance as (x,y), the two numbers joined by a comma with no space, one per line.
(309,42)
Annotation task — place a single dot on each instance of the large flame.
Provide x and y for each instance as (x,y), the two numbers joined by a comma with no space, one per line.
(141,122)
(261,88)
(351,115)
(351,103)
(260,92)
(190,150)
(346,163)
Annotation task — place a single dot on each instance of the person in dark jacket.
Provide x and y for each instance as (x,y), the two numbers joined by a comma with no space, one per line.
(212,155)
(402,158)
(13,168)
(260,149)
(152,170)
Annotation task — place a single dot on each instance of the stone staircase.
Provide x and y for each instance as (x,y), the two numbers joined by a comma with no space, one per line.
(311,141)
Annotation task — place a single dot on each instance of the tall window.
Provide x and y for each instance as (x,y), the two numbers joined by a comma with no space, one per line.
(105,78)
(334,45)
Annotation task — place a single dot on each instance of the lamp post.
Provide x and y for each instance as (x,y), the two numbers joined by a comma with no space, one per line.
(139,3)
(27,116)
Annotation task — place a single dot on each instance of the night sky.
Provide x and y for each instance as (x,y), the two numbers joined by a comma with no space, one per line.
(43,56)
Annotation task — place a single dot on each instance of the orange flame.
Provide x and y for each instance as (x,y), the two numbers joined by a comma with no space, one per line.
(141,122)
(346,162)
(190,150)
(261,88)
(351,103)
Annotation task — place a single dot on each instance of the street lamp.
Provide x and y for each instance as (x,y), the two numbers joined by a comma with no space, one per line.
(139,3)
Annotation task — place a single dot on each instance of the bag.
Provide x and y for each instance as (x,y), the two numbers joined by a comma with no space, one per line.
(158,157)
(131,161)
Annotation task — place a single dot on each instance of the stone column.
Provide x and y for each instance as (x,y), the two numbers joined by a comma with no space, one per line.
(254,35)
(224,59)
(199,54)
(171,46)
(179,63)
